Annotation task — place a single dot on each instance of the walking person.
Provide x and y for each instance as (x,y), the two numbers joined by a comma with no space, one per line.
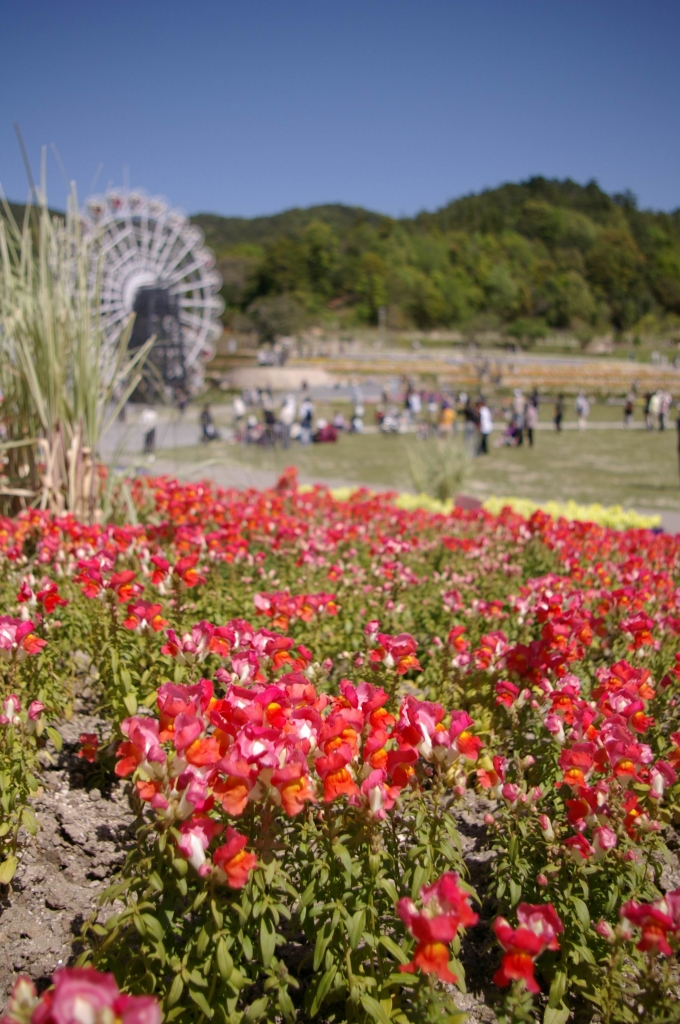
(628,407)
(582,409)
(559,413)
(530,422)
(485,426)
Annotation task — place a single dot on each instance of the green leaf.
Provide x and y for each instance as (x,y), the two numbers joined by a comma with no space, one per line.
(322,939)
(322,989)
(55,736)
(582,911)
(396,951)
(355,927)
(202,942)
(156,881)
(218,916)
(388,886)
(225,964)
(130,702)
(308,894)
(28,819)
(375,1010)
(267,940)
(420,877)
(154,926)
(201,1002)
(557,989)
(556,1015)
(175,992)
(342,853)
(7,869)
(515,892)
(257,1009)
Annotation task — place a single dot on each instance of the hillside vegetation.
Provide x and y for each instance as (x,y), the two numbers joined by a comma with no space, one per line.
(526,258)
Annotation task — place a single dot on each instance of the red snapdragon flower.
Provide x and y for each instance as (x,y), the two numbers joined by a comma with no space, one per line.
(537,931)
(445,908)
(50,598)
(233,861)
(89,743)
(656,921)
(79,995)
(144,615)
(17,639)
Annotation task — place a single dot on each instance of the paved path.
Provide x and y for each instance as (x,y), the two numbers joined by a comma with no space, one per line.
(175,431)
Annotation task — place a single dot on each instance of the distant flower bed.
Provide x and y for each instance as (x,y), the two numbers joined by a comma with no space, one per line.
(612,516)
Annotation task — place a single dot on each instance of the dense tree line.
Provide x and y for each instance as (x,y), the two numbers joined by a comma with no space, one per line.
(527,257)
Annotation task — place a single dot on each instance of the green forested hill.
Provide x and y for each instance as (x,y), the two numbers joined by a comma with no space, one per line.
(225,232)
(525,257)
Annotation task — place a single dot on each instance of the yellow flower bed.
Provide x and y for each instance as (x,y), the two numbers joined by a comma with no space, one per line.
(613,516)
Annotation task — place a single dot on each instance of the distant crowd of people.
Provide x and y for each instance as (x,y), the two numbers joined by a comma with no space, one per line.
(257,420)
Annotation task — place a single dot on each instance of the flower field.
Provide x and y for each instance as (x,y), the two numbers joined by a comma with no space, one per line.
(382,764)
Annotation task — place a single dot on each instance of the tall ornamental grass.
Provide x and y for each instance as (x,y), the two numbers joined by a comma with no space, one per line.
(63,384)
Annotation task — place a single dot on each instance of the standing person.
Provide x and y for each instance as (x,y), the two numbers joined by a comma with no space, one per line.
(447,418)
(530,422)
(518,404)
(149,421)
(649,422)
(519,426)
(239,408)
(208,429)
(628,407)
(485,426)
(469,418)
(559,413)
(582,409)
(286,419)
(665,402)
(306,420)
(655,410)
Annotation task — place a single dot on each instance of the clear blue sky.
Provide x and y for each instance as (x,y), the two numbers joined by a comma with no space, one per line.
(254,106)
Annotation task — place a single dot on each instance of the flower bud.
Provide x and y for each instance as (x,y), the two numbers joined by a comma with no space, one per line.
(605,930)
(542,880)
(546,827)
(489,819)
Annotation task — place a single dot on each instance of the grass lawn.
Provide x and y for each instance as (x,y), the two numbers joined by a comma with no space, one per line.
(634,469)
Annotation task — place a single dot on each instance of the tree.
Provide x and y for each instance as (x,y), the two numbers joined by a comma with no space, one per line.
(614,265)
(276,315)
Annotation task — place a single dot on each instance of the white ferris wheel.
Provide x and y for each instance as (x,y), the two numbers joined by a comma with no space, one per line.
(152,261)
